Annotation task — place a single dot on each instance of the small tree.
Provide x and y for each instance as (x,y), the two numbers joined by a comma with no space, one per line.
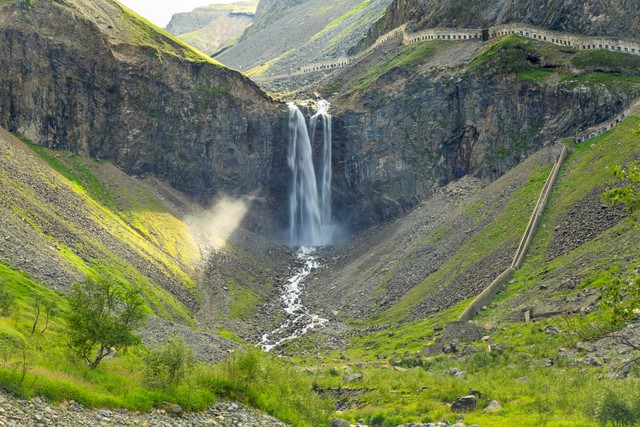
(102,319)
(245,366)
(50,311)
(612,408)
(623,294)
(26,354)
(37,301)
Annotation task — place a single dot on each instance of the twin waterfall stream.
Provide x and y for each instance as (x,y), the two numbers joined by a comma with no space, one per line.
(310,194)
(310,222)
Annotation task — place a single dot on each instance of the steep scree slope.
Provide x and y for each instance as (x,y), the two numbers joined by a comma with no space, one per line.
(288,34)
(209,28)
(64,217)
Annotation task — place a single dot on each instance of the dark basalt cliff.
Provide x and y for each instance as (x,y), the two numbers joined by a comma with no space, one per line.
(92,77)
(407,135)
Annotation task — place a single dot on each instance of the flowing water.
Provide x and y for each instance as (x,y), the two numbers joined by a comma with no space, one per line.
(321,122)
(298,321)
(310,193)
(310,221)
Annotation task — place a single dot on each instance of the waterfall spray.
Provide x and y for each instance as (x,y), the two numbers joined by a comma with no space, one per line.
(309,200)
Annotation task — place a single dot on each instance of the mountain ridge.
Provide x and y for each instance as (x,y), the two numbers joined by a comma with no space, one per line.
(155,168)
(210,28)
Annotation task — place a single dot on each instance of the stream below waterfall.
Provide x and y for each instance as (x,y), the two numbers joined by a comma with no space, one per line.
(298,321)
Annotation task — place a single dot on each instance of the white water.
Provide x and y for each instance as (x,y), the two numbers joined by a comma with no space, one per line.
(297,321)
(325,179)
(309,216)
(310,196)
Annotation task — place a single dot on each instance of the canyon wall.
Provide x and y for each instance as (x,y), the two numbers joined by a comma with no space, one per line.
(97,79)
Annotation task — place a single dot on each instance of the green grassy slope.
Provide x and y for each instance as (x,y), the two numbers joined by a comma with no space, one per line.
(531,61)
(90,219)
(223,29)
(587,171)
(546,63)
(121,232)
(54,373)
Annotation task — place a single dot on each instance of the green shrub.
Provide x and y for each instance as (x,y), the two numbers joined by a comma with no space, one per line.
(267,383)
(377,419)
(7,300)
(10,344)
(613,408)
(170,364)
(244,367)
(102,319)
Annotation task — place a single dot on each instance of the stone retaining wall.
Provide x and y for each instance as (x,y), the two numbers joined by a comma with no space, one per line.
(598,130)
(575,41)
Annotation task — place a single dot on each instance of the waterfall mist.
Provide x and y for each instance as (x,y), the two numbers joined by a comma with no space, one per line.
(310,221)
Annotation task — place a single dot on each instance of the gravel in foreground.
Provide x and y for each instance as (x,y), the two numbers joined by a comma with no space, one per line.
(38,413)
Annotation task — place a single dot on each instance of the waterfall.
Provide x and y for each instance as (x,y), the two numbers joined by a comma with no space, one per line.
(325,179)
(309,200)
(309,217)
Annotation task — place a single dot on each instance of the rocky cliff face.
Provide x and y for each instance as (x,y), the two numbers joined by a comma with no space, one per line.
(590,17)
(114,87)
(411,131)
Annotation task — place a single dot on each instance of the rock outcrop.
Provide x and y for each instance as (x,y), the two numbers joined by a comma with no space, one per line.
(414,129)
(96,78)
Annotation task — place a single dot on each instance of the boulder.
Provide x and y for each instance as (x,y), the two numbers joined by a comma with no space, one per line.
(492,407)
(464,404)
(339,422)
(461,375)
(352,377)
(172,408)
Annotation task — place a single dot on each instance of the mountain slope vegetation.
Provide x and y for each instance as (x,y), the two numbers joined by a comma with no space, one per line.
(210,28)
(540,372)
(130,158)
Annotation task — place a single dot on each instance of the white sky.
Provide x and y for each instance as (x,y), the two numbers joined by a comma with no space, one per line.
(160,11)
